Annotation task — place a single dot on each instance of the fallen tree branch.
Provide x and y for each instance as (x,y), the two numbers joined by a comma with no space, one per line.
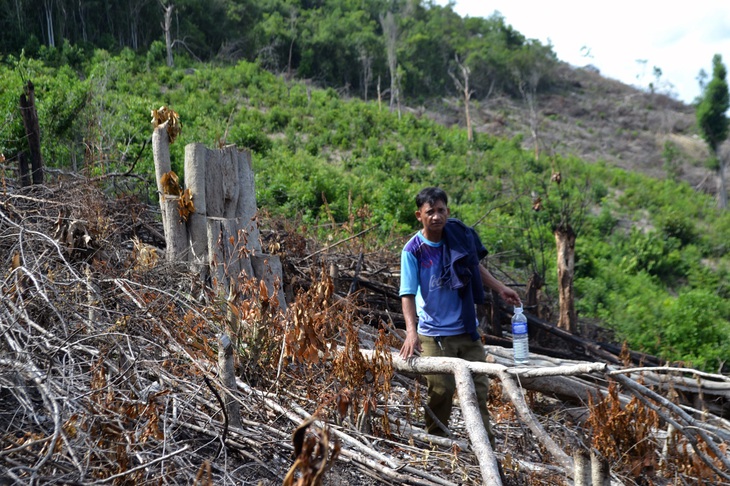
(644,394)
(456,366)
(145,465)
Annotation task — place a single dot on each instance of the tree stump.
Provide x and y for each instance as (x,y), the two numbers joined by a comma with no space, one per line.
(33,132)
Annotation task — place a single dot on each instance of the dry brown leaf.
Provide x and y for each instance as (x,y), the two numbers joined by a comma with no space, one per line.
(170,184)
(185,205)
(16,261)
(164,114)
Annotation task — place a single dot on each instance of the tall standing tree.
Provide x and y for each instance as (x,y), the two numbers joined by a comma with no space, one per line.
(390,33)
(713,121)
(167,28)
(48,13)
(461,81)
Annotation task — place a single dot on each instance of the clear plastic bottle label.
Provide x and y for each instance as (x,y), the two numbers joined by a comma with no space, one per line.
(519,328)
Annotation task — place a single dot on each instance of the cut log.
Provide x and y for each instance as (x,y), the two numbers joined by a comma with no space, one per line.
(226,253)
(247,207)
(222,183)
(470,410)
(228,377)
(176,234)
(469,404)
(161,156)
(195,157)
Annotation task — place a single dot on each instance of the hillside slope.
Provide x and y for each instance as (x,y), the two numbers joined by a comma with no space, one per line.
(598,119)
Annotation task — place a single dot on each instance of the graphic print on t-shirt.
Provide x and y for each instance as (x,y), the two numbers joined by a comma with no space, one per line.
(436,282)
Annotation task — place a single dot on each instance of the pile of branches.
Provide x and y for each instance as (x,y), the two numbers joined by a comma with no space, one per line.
(109,373)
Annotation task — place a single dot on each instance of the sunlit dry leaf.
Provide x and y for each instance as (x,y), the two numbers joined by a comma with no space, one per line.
(164,114)
(185,205)
(16,261)
(170,184)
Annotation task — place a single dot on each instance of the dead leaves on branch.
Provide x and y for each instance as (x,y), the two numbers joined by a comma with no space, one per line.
(170,184)
(627,434)
(314,325)
(165,114)
(624,433)
(185,206)
(314,452)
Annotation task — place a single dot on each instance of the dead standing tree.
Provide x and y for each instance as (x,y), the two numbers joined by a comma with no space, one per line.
(33,133)
(562,206)
(390,33)
(462,84)
(167,29)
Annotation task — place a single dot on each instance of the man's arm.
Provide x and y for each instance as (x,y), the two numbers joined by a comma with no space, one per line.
(412,343)
(507,294)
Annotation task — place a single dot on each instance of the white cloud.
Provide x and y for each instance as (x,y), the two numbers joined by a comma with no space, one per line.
(679,41)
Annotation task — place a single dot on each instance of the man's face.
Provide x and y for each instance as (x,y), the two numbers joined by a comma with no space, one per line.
(433,216)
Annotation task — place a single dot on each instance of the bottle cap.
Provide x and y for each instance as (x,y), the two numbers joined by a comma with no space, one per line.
(518,308)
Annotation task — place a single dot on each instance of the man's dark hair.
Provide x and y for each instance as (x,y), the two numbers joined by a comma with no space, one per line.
(430,195)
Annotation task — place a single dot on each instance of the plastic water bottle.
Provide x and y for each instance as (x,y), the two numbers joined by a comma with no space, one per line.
(520,339)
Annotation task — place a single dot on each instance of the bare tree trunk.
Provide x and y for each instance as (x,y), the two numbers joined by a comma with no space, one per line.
(167,28)
(565,242)
(367,71)
(228,377)
(529,94)
(48,13)
(32,131)
(721,188)
(534,284)
(176,233)
(195,162)
(293,29)
(175,230)
(161,157)
(390,31)
(82,21)
(19,14)
(24,172)
(380,97)
(463,86)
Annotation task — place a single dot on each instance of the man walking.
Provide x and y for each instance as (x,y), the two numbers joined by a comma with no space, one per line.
(441,280)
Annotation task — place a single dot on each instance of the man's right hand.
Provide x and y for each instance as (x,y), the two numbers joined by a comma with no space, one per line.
(410,346)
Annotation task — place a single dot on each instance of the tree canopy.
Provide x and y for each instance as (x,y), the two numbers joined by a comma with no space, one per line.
(335,43)
(713,121)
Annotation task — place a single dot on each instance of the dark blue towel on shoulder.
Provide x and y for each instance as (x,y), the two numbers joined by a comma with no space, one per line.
(462,254)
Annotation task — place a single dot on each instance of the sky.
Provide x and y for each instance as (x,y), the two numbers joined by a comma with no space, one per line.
(624,39)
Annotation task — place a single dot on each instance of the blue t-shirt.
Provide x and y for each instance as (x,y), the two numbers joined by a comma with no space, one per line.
(437,305)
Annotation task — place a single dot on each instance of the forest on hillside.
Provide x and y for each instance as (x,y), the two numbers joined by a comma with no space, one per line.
(396,49)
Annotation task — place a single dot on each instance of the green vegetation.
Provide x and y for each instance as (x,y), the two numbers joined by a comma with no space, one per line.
(652,256)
